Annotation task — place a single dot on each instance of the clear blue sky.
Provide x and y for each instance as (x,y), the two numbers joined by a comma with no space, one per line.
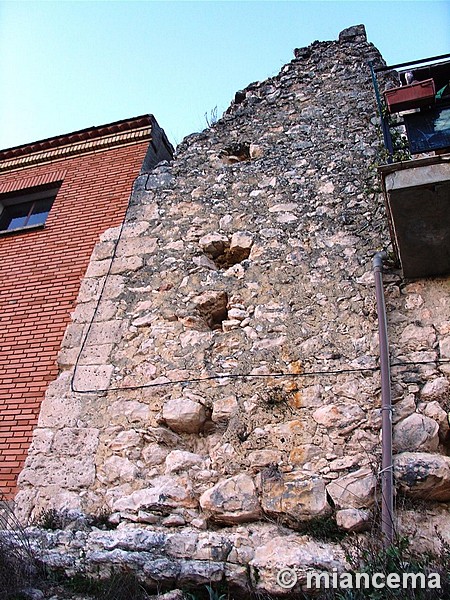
(69,65)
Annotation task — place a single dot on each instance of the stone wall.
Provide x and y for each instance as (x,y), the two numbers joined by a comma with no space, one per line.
(219,384)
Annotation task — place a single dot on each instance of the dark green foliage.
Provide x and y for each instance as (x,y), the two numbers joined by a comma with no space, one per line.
(119,586)
(52,520)
(323,529)
(101,520)
(209,593)
(370,557)
(18,567)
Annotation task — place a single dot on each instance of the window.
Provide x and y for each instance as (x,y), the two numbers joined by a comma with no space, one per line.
(26,209)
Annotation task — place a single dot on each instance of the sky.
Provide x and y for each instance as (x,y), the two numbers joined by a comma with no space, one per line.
(69,65)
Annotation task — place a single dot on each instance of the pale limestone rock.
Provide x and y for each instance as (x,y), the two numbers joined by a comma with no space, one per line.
(256,151)
(347,462)
(423,475)
(102,250)
(294,551)
(286,218)
(180,460)
(183,415)
(355,490)
(293,495)
(110,235)
(108,332)
(416,432)
(144,320)
(98,354)
(304,453)
(65,472)
(146,517)
(205,262)
(403,408)
(435,411)
(66,501)
(194,338)
(127,264)
(230,324)
(165,492)
(75,441)
(290,434)
(241,243)
(444,347)
(263,458)
(415,337)
(199,523)
(154,454)
(232,500)
(89,290)
(162,436)
(436,389)
(42,441)
(326,187)
(224,409)
(214,244)
(60,408)
(136,246)
(311,396)
(129,411)
(114,287)
(93,378)
(118,468)
(98,268)
(125,439)
(344,417)
(237,313)
(283,207)
(173,520)
(268,343)
(353,519)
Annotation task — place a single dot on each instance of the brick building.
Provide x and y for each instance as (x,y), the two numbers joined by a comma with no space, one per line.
(56,197)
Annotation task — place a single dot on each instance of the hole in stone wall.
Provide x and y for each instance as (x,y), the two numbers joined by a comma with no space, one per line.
(235,153)
(212,307)
(231,256)
(224,253)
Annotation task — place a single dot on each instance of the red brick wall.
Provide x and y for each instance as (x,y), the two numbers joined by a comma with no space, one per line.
(40,273)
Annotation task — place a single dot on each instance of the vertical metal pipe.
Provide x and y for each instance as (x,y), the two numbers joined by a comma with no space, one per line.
(383,119)
(387,482)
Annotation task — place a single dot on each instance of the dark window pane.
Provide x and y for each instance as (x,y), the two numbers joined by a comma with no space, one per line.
(15,215)
(25,214)
(40,211)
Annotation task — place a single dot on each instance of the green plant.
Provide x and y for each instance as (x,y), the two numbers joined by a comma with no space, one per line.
(367,556)
(212,117)
(101,520)
(52,519)
(323,529)
(19,568)
(209,593)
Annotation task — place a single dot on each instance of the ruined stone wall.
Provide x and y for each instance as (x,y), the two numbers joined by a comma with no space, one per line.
(224,350)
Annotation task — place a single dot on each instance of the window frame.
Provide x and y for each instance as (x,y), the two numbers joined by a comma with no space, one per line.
(34,196)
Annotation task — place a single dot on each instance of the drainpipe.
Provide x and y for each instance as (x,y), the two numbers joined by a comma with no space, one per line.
(387,483)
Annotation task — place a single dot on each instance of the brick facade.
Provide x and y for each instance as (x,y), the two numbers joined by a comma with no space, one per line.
(41,269)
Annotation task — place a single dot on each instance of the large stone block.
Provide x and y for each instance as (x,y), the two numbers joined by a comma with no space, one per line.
(416,432)
(355,490)
(165,492)
(183,415)
(232,500)
(293,495)
(423,475)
